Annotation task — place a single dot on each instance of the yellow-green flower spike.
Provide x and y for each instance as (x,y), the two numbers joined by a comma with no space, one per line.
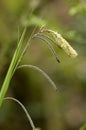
(62,42)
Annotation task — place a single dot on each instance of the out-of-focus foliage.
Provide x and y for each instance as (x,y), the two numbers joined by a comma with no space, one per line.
(34,20)
(83,127)
(79,7)
(66,108)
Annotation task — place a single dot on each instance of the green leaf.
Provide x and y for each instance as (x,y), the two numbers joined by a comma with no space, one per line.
(75,9)
(34,20)
(11,68)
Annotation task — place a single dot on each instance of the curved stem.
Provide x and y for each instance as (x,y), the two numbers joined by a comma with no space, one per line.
(24,109)
(49,38)
(42,72)
(49,45)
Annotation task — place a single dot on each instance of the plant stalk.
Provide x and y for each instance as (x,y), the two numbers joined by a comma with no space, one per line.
(11,68)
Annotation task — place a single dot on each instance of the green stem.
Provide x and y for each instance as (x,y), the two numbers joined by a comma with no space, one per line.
(11,69)
(25,49)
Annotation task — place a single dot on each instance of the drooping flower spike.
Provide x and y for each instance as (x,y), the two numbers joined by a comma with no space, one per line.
(61,42)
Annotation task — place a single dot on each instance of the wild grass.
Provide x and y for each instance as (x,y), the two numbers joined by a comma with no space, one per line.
(19,53)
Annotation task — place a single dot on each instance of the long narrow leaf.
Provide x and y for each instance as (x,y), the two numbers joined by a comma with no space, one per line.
(11,68)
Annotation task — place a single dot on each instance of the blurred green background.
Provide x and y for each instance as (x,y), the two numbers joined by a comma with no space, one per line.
(50,110)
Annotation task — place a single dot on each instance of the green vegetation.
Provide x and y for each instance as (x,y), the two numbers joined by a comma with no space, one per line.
(63,109)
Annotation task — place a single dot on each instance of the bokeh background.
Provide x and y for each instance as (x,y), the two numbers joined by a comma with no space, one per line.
(50,110)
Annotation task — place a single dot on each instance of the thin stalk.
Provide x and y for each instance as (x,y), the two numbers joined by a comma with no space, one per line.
(25,49)
(11,68)
(49,45)
(49,38)
(24,109)
(41,71)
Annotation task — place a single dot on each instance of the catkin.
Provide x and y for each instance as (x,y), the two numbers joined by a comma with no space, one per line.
(62,43)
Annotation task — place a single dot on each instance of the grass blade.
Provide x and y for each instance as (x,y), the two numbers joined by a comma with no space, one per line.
(11,68)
